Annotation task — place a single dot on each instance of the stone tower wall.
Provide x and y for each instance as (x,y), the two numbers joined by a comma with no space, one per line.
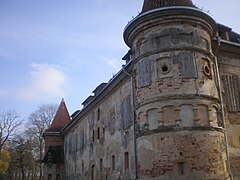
(177,104)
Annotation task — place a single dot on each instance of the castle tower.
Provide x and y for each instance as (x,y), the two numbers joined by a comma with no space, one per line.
(54,145)
(180,132)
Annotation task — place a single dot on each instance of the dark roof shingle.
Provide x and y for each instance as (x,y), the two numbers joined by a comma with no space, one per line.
(154,4)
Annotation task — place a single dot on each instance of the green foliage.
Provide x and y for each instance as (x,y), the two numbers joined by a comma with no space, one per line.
(4,161)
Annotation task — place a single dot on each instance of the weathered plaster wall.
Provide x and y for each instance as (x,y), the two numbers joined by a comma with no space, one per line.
(111,123)
(229,65)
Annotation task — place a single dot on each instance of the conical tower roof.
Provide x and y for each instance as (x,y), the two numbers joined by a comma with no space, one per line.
(61,119)
(154,4)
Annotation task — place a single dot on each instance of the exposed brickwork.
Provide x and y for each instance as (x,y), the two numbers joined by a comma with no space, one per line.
(55,140)
(201,152)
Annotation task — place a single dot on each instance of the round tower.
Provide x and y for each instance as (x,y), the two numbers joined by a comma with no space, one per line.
(180,132)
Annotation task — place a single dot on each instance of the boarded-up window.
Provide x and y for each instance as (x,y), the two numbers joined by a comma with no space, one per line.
(203,114)
(215,118)
(144,73)
(181,168)
(187,63)
(186,115)
(127,113)
(112,120)
(231,85)
(152,118)
(92,120)
(170,115)
(82,139)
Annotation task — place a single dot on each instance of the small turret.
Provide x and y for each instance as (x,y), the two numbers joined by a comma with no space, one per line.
(61,119)
(54,144)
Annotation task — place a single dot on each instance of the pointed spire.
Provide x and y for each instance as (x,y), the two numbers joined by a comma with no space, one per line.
(154,4)
(61,118)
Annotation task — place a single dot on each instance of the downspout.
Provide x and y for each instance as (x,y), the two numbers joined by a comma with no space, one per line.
(218,80)
(134,123)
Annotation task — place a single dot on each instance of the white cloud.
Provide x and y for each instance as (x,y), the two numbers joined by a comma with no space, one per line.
(46,81)
(114,63)
(3,93)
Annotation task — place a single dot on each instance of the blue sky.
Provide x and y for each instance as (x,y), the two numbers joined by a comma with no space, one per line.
(51,49)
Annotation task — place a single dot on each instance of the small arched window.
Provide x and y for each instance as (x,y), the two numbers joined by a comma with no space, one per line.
(93,172)
(98,114)
(98,133)
(113,162)
(101,165)
(126,161)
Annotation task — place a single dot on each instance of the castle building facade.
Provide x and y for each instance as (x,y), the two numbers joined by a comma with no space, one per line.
(171,112)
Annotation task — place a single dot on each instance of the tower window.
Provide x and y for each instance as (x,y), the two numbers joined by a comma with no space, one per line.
(93,135)
(206,70)
(165,68)
(181,168)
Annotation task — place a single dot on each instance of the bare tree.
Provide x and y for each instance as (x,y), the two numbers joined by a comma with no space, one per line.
(9,125)
(39,121)
(22,160)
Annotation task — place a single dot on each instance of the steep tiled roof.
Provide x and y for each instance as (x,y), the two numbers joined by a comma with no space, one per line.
(154,4)
(61,118)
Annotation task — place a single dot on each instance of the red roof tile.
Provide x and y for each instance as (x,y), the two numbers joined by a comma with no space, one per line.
(61,118)
(154,4)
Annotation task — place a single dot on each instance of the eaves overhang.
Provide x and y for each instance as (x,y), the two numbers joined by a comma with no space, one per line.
(227,46)
(118,78)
